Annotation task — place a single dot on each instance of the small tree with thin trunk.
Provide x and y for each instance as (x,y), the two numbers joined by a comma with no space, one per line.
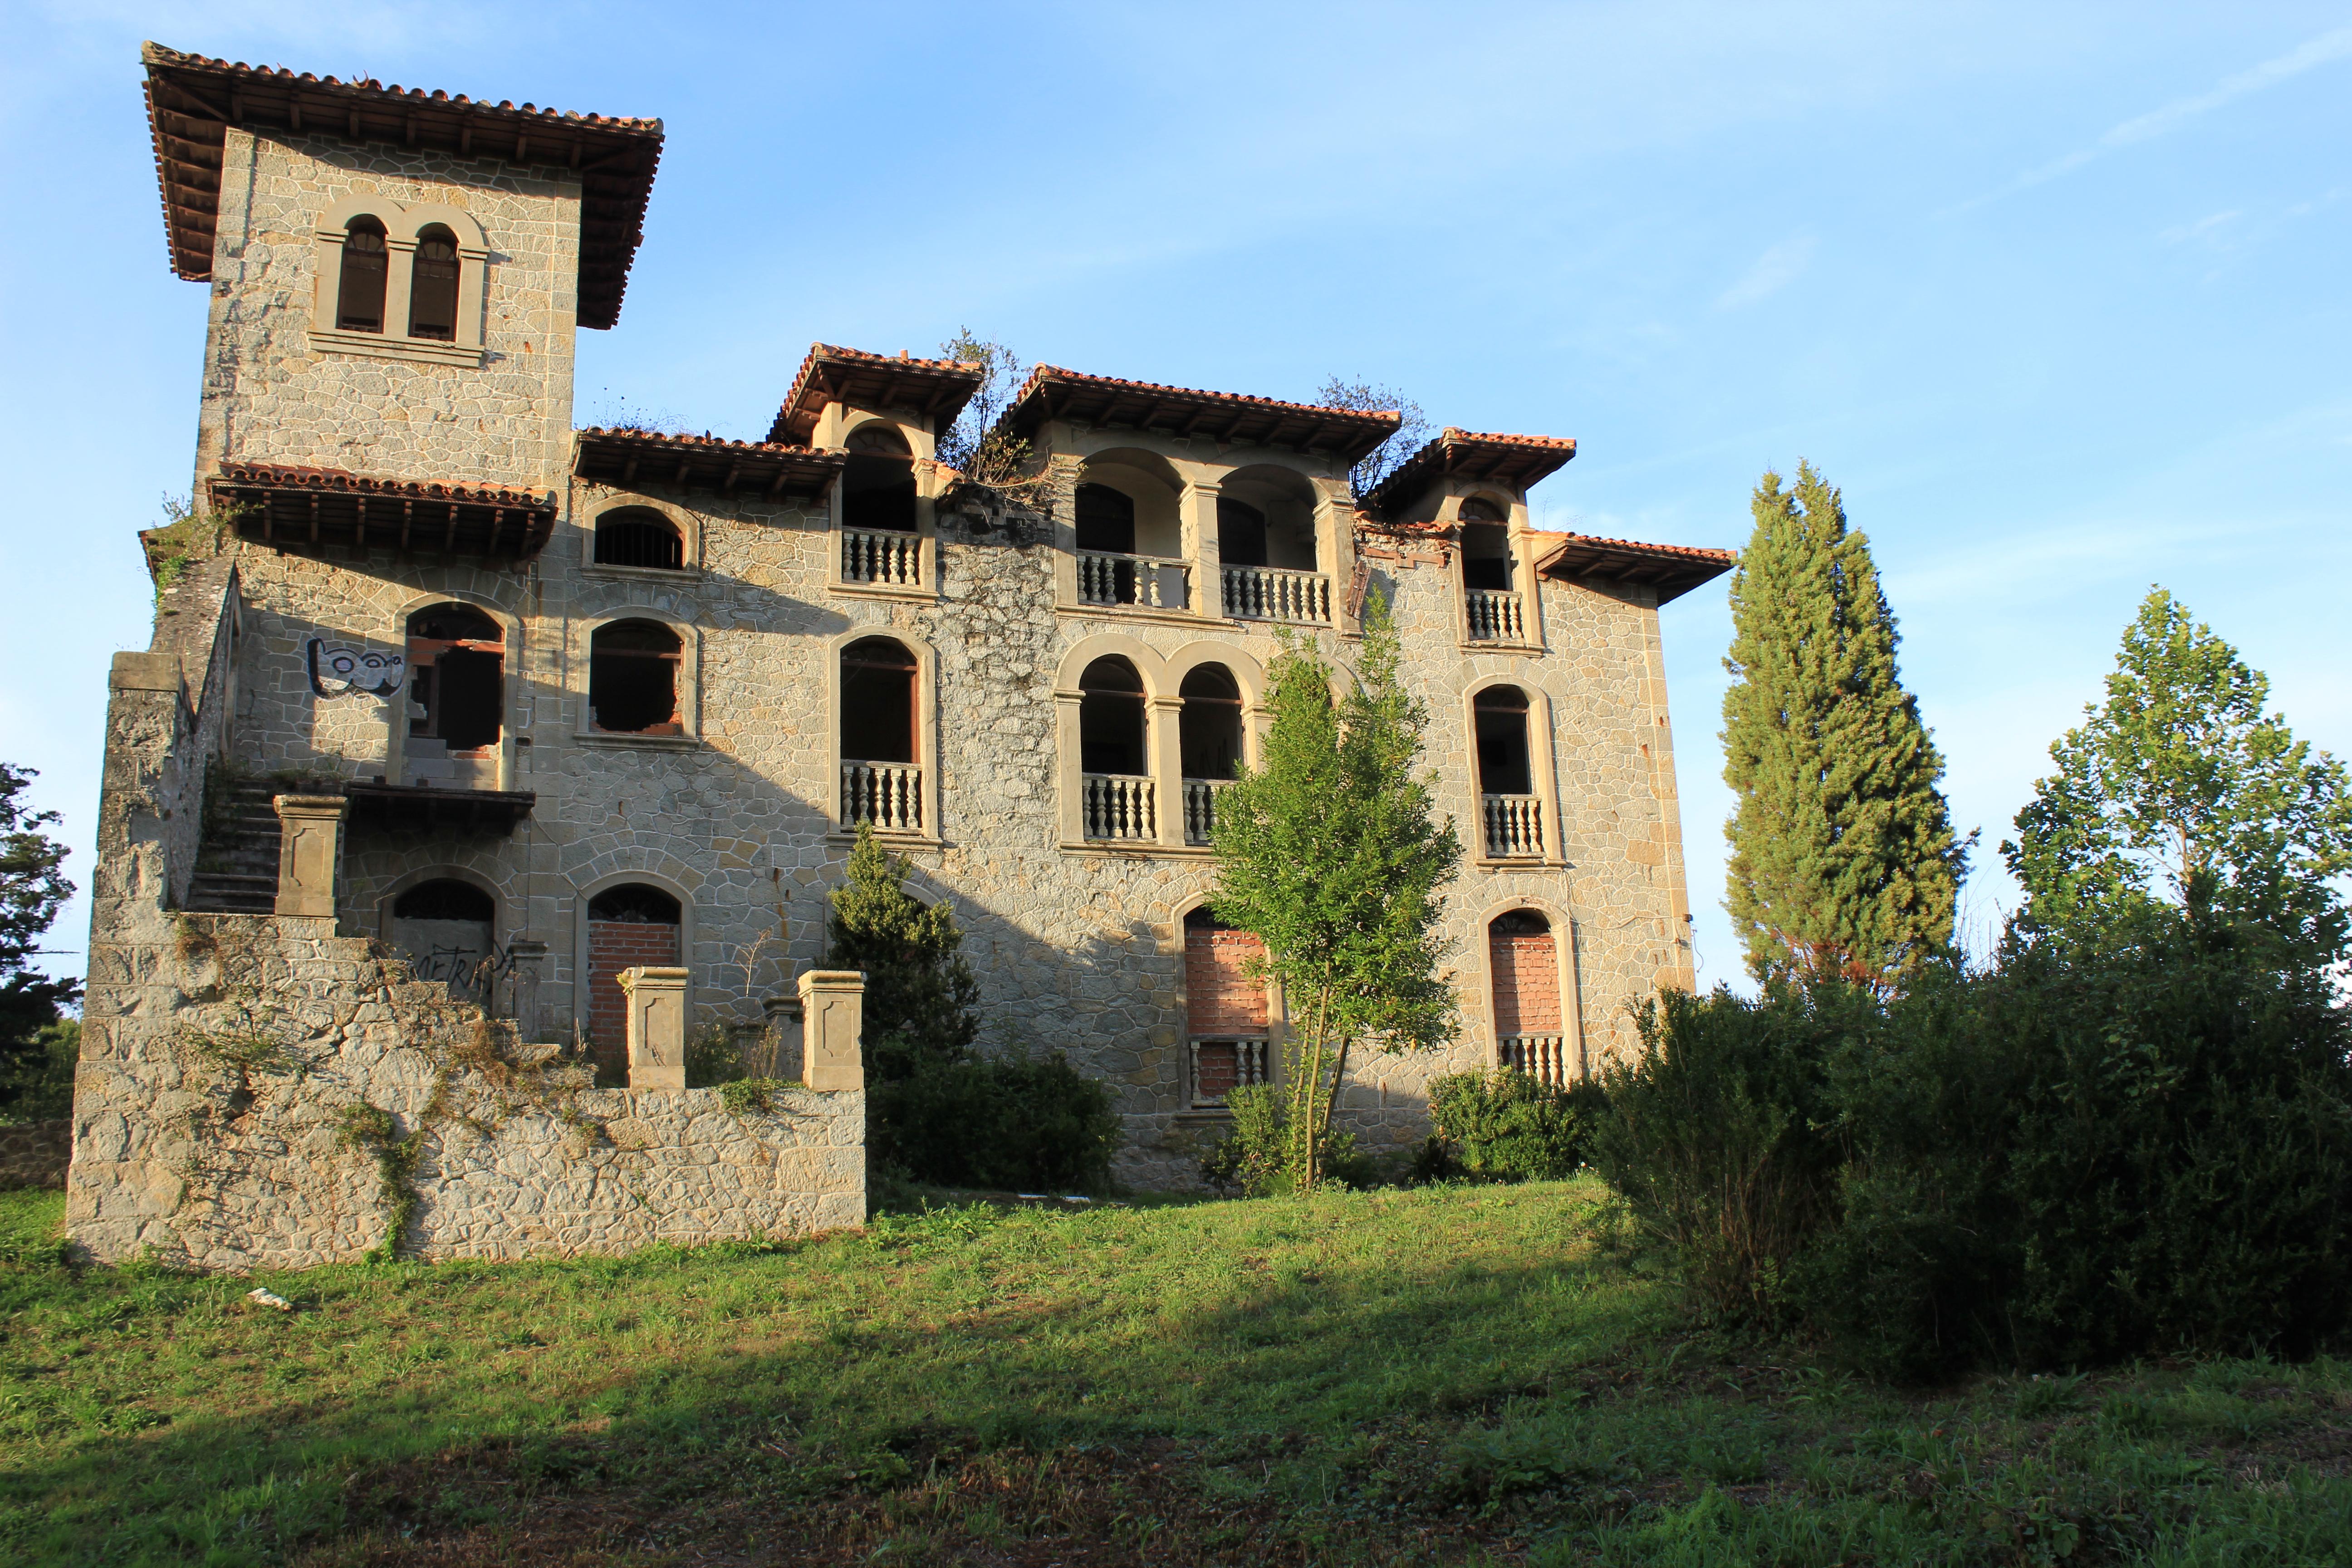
(919,992)
(1331,853)
(2180,789)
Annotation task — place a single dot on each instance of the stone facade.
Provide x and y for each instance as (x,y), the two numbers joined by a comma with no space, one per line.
(730,819)
(35,1153)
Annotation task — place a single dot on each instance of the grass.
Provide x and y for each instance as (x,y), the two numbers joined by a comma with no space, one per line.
(1441,1375)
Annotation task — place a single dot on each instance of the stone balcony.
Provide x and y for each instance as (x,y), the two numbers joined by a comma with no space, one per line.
(1514,825)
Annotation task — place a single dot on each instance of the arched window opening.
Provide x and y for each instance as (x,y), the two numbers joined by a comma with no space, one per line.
(432,285)
(456,684)
(881,781)
(632,678)
(1224,1007)
(639,536)
(1106,520)
(1110,718)
(629,927)
(1502,763)
(1485,556)
(443,928)
(1241,534)
(1478,508)
(878,486)
(1209,734)
(1522,958)
(358,293)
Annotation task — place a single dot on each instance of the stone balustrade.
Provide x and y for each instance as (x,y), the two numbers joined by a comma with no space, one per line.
(887,795)
(1495,616)
(1144,581)
(1514,827)
(1543,1057)
(1270,594)
(880,558)
(1122,807)
(1221,1066)
(1201,808)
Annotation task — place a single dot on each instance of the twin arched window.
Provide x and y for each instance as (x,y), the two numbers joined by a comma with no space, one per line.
(363,291)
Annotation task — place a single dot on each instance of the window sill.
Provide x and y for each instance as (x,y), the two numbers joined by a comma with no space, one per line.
(1204,1116)
(1133,613)
(378,345)
(650,743)
(891,840)
(1533,650)
(1517,863)
(1136,849)
(643,573)
(881,591)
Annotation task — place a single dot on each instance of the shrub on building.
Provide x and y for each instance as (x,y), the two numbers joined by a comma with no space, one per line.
(1507,1126)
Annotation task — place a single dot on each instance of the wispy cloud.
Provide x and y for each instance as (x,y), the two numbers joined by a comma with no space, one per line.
(1772,271)
(2322,50)
(2202,229)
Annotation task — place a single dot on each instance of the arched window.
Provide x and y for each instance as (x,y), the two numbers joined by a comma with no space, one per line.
(877,485)
(1522,958)
(1224,1008)
(881,781)
(443,929)
(1485,554)
(1503,765)
(632,678)
(1209,734)
(1241,533)
(1120,800)
(1478,508)
(639,536)
(432,285)
(456,684)
(1106,520)
(629,927)
(358,293)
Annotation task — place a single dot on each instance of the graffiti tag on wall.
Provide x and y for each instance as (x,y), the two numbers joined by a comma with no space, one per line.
(338,670)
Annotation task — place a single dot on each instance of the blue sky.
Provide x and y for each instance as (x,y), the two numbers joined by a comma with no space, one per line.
(2056,294)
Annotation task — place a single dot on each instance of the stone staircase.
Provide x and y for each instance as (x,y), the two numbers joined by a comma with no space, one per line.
(236,865)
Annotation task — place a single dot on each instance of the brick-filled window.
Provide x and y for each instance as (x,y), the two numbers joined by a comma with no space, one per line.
(1523,959)
(628,927)
(1226,1013)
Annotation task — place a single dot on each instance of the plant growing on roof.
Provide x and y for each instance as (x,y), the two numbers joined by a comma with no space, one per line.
(1367,397)
(190,533)
(986,454)
(1333,855)
(1843,861)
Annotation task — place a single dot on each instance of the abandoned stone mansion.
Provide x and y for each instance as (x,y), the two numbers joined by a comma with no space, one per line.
(463,707)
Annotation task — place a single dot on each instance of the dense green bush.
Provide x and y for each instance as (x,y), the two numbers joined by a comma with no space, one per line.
(1262,1153)
(1006,1122)
(1507,1126)
(2080,1156)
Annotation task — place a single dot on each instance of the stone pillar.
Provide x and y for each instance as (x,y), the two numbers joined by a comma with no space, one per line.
(310,851)
(832,1017)
(783,1015)
(657,1026)
(1163,740)
(1197,517)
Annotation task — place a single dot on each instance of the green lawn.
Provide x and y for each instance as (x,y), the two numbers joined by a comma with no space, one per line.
(1436,1376)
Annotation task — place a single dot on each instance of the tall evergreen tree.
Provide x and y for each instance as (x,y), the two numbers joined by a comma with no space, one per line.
(919,992)
(1843,861)
(2180,789)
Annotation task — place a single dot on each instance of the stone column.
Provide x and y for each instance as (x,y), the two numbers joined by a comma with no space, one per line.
(657,1026)
(310,851)
(783,1015)
(832,1017)
(1198,519)
(1164,741)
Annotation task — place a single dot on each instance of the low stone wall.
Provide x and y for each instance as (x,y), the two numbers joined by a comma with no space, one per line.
(258,1092)
(34,1153)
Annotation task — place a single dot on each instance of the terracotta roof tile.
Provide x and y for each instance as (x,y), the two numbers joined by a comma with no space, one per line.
(938,388)
(1673,570)
(777,471)
(1516,461)
(1052,392)
(340,481)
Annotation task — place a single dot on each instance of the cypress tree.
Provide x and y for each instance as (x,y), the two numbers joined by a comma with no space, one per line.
(1844,862)
(919,992)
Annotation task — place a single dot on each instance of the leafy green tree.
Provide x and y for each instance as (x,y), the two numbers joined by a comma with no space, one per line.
(919,992)
(1332,854)
(2178,789)
(1843,861)
(32,888)
(1369,397)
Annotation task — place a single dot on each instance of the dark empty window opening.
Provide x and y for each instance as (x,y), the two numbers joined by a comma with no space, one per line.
(1241,534)
(433,285)
(634,903)
(1106,520)
(1519,922)
(878,486)
(878,702)
(1110,719)
(1486,556)
(1501,712)
(358,293)
(1210,723)
(632,678)
(639,536)
(443,899)
(456,662)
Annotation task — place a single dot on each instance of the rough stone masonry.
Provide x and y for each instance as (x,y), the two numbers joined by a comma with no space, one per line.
(530,709)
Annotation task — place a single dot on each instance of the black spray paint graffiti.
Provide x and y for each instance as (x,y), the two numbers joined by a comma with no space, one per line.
(467,969)
(339,672)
